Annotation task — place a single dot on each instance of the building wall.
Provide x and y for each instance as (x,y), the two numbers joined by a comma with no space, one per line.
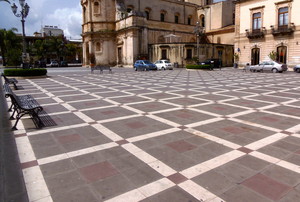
(269,42)
(124,33)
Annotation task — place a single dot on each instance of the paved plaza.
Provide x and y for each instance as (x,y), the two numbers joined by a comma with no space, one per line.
(223,135)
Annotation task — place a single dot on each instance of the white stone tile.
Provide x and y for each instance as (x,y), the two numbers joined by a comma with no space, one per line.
(197,191)
(162,168)
(156,187)
(52,159)
(131,196)
(265,157)
(25,151)
(266,141)
(32,174)
(37,190)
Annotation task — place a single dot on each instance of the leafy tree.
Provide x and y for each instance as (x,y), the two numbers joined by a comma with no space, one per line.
(57,46)
(10,46)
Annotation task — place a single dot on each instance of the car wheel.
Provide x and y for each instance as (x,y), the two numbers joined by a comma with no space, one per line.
(298,70)
(164,68)
(274,70)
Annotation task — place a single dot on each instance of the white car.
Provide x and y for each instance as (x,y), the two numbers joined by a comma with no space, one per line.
(269,66)
(163,64)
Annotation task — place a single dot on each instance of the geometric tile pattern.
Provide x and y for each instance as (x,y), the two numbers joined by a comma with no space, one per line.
(165,135)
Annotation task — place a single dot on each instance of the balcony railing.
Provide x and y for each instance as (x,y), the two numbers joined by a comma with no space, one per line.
(256,33)
(283,30)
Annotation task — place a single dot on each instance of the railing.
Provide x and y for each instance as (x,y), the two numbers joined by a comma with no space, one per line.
(256,33)
(283,30)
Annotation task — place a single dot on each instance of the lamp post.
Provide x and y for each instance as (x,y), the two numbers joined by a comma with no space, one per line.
(198,30)
(23,14)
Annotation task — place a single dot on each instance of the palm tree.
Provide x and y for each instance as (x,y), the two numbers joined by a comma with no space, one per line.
(10,46)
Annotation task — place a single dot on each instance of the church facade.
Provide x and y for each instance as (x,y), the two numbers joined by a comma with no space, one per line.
(118,32)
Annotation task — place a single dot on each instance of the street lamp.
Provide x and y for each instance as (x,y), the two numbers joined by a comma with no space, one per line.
(23,14)
(198,30)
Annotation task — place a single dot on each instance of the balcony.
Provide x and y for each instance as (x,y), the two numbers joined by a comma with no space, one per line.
(256,33)
(283,30)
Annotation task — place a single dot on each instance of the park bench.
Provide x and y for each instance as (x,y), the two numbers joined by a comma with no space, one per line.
(101,68)
(10,81)
(22,105)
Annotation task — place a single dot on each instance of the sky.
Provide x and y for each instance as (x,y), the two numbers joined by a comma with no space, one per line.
(66,14)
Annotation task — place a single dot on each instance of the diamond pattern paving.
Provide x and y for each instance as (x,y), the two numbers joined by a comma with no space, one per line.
(174,135)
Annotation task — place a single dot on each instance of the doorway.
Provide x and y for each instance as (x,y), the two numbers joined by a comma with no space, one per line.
(282,54)
(120,55)
(255,54)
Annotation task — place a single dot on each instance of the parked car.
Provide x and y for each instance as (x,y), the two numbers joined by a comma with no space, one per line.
(54,63)
(144,65)
(216,63)
(297,68)
(163,64)
(269,66)
(39,64)
(63,64)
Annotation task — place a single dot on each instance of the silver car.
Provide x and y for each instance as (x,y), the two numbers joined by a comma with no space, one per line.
(163,64)
(269,66)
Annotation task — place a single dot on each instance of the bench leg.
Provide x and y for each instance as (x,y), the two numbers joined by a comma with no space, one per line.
(15,85)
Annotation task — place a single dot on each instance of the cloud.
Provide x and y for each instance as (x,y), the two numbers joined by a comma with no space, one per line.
(68,19)
(66,14)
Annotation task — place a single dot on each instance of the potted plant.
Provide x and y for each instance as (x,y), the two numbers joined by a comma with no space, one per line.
(273,55)
(236,58)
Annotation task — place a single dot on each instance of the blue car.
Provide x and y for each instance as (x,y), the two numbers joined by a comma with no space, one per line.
(144,65)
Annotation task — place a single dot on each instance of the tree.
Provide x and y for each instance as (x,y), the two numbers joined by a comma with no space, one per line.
(57,46)
(10,46)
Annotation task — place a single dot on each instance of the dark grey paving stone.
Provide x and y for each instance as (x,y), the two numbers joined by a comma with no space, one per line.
(174,194)
(141,176)
(241,193)
(283,175)
(64,182)
(214,182)
(235,172)
(275,151)
(252,163)
(59,167)
(83,193)
(112,186)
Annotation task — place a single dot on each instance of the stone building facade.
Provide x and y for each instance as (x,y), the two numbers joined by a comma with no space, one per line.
(266,28)
(118,32)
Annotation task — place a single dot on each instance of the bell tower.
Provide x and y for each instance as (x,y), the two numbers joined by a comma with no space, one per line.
(98,31)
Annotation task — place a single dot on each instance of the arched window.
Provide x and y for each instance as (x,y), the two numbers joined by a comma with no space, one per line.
(96,7)
(163,16)
(176,18)
(130,8)
(202,20)
(98,46)
(147,12)
(189,20)
(84,15)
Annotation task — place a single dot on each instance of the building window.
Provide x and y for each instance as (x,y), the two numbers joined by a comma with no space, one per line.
(96,7)
(283,16)
(162,17)
(256,21)
(98,46)
(189,54)
(147,12)
(202,20)
(189,21)
(147,15)
(176,19)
